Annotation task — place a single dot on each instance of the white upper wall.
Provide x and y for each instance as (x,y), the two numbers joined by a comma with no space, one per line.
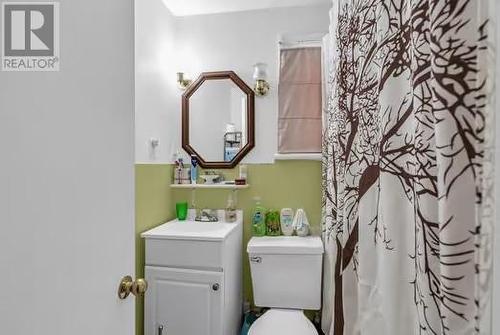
(231,41)
(198,7)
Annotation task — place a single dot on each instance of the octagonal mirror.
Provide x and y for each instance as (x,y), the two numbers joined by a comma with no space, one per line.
(218,119)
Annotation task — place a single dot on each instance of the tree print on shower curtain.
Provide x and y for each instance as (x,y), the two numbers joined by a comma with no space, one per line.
(407,168)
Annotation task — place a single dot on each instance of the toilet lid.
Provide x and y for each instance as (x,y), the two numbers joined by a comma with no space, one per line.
(282,322)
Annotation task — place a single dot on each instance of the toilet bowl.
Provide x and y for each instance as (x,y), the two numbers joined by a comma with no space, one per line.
(283,322)
(286,277)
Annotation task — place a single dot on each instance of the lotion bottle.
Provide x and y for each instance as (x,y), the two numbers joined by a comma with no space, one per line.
(286,219)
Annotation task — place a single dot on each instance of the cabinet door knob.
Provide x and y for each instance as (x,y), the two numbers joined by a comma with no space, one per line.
(215,287)
(160,330)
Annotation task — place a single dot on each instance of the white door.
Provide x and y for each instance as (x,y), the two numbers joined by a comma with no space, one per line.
(67,180)
(183,302)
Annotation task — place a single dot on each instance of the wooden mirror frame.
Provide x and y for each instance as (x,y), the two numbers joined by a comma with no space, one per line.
(250,118)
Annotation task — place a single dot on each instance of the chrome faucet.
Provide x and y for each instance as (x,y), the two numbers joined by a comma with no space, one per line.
(207,215)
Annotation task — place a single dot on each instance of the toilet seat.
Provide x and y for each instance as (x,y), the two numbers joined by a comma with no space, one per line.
(283,322)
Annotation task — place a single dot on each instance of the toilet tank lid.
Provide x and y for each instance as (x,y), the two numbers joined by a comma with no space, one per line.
(285,245)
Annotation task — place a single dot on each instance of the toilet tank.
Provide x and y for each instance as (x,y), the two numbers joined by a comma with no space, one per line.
(286,271)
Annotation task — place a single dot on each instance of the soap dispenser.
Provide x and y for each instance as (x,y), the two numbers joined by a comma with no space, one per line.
(230,214)
(273,227)
(258,219)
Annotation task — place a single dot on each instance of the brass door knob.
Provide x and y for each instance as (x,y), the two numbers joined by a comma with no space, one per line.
(139,287)
(127,285)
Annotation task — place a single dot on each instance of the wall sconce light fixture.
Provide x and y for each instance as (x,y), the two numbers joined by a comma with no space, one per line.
(182,81)
(260,76)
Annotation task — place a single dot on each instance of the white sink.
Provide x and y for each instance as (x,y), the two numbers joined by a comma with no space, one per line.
(193,230)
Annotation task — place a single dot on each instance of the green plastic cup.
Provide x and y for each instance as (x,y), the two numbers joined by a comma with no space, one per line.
(181,209)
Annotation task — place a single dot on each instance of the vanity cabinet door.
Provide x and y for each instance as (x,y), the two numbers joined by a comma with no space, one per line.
(183,302)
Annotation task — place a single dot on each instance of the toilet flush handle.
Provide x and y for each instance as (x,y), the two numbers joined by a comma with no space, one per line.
(256,259)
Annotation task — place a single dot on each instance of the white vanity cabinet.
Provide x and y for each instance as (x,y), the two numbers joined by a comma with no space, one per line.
(182,301)
(194,272)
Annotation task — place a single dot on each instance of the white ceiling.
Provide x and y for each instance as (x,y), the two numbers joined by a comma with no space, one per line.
(197,7)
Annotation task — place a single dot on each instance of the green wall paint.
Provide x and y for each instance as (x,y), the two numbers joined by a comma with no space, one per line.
(295,184)
(152,208)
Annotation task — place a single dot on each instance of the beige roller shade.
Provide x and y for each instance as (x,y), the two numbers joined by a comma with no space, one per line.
(300,101)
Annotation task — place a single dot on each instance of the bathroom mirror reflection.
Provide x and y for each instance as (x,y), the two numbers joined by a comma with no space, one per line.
(218,119)
(217,126)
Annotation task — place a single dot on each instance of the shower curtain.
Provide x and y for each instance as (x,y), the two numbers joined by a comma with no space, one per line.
(408,167)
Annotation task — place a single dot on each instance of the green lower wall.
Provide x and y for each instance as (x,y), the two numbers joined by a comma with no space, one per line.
(295,184)
(152,207)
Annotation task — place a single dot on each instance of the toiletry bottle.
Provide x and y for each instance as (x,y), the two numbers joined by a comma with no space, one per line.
(194,169)
(180,167)
(176,173)
(258,219)
(286,219)
(300,223)
(273,227)
(244,172)
(193,209)
(230,214)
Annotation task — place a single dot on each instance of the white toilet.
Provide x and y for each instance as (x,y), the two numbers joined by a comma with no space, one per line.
(286,276)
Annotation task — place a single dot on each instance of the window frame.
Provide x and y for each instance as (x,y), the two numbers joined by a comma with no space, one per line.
(290,42)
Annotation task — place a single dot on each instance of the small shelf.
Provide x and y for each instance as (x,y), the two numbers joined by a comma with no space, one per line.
(212,186)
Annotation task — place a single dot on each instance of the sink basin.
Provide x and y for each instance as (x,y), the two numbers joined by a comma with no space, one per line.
(193,230)
(193,244)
